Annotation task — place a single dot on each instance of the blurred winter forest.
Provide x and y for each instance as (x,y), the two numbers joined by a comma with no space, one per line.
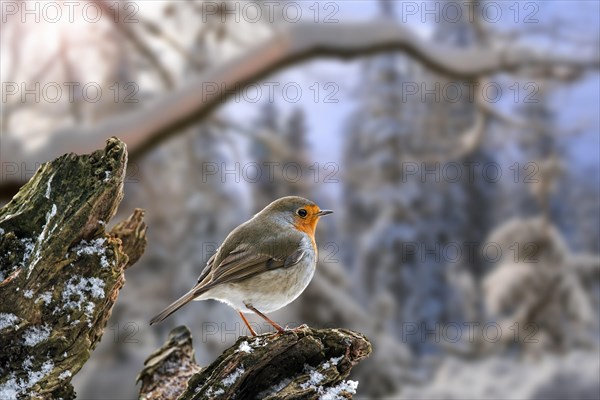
(466,236)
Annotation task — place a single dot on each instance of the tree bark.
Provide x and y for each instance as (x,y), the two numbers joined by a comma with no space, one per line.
(302,364)
(61,271)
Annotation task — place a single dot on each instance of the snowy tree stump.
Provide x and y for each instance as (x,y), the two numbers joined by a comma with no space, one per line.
(61,271)
(303,364)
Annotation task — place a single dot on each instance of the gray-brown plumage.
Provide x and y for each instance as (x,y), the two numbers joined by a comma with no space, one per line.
(263,264)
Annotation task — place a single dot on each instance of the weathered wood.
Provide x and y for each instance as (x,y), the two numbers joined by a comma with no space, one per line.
(302,364)
(167,370)
(132,233)
(60,271)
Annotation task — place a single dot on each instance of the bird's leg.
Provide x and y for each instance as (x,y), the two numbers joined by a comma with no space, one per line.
(247,324)
(263,316)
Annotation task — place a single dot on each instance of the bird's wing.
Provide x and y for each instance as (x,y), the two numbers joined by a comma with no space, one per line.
(210,263)
(244,262)
(208,267)
(234,262)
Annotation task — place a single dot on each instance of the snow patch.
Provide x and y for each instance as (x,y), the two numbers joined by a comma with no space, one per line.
(313,382)
(92,286)
(89,311)
(35,335)
(332,362)
(14,388)
(210,393)
(27,363)
(45,297)
(93,247)
(65,375)
(230,379)
(7,320)
(11,389)
(28,293)
(77,292)
(28,249)
(334,393)
(244,347)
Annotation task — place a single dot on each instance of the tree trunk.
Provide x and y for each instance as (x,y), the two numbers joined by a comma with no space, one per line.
(302,364)
(61,271)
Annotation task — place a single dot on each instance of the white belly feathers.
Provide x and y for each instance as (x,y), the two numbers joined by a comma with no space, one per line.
(269,291)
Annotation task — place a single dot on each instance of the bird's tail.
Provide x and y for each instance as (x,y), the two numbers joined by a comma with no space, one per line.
(186,298)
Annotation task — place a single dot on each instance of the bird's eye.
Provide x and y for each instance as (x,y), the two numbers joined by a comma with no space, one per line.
(302,213)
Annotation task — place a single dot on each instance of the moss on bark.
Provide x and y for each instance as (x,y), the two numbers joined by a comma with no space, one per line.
(60,270)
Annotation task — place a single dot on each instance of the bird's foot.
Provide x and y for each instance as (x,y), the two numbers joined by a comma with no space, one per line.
(295,330)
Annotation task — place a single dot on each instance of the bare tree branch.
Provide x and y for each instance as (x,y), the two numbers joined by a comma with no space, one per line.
(144,128)
(155,30)
(132,36)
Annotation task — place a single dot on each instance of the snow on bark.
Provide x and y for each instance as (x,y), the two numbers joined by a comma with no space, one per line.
(60,271)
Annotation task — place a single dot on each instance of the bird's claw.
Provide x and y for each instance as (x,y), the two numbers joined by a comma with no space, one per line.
(288,329)
(297,329)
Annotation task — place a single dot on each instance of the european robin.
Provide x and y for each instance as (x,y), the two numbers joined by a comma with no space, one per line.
(264,264)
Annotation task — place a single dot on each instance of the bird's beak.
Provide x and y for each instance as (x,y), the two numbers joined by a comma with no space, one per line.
(324,212)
